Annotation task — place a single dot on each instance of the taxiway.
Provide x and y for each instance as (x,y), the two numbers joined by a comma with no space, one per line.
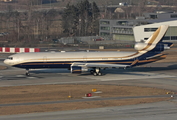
(160,75)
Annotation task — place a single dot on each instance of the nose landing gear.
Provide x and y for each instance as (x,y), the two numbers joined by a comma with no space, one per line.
(27,72)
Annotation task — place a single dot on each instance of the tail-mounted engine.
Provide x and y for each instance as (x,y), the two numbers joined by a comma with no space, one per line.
(154,47)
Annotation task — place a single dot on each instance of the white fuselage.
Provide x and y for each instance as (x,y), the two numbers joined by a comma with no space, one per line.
(67,56)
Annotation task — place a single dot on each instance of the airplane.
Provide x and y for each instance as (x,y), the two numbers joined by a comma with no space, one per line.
(78,62)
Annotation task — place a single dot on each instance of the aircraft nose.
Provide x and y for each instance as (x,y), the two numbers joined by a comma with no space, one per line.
(6,61)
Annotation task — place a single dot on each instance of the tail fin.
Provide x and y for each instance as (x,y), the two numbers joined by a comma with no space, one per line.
(154,42)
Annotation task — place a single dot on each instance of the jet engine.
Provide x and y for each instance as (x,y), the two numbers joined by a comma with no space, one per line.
(78,69)
(154,47)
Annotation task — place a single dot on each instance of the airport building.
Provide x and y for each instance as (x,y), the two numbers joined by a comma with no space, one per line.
(140,28)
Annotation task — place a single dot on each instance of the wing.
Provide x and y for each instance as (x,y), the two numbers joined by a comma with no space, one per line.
(104,65)
(100,65)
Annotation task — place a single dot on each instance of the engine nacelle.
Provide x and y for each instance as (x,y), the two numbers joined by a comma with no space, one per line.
(78,69)
(140,46)
(154,47)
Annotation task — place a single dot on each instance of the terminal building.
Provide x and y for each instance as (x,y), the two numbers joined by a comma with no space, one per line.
(140,28)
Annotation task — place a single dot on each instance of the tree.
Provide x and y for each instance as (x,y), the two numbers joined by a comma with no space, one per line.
(37,19)
(95,20)
(141,7)
(85,15)
(81,19)
(48,17)
(70,20)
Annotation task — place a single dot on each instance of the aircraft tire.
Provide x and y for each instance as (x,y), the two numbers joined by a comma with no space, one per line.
(27,74)
(95,74)
(100,74)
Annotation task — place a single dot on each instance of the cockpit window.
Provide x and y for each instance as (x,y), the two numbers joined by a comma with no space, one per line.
(10,58)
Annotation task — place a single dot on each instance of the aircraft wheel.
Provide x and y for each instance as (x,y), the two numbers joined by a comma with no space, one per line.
(100,74)
(27,74)
(95,74)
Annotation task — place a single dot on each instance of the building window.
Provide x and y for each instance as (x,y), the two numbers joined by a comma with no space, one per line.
(169,38)
(105,28)
(150,29)
(174,16)
(122,23)
(153,16)
(173,37)
(105,22)
(166,38)
(121,30)
(104,34)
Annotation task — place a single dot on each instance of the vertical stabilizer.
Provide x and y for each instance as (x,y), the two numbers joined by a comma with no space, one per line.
(157,35)
(153,41)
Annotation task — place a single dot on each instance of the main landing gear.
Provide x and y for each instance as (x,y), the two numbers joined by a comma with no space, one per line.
(27,72)
(96,72)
